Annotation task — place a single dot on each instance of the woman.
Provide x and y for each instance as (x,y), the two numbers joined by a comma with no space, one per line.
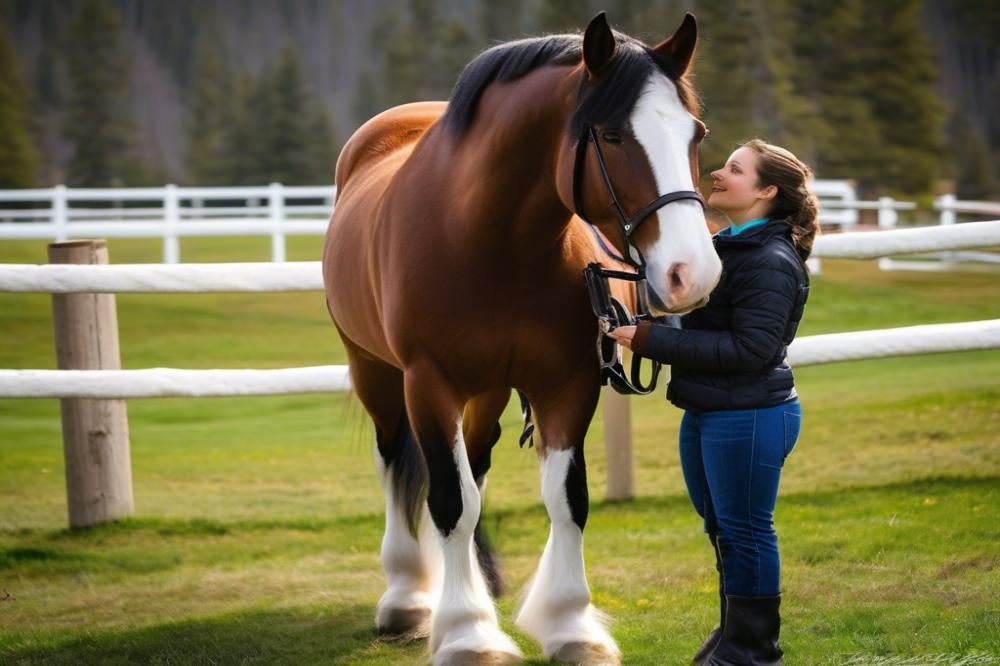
(728,372)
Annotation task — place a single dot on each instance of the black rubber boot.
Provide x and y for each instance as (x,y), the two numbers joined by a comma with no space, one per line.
(716,634)
(750,635)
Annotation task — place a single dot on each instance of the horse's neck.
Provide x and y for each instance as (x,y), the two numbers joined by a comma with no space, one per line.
(508,161)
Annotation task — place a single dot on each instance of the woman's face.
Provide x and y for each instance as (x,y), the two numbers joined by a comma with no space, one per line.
(734,189)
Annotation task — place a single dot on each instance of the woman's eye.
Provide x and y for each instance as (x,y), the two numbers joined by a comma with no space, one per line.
(610,136)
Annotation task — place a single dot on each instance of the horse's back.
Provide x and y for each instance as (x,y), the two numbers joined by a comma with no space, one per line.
(385,134)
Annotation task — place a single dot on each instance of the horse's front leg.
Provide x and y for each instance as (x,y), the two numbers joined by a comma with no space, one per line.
(556,610)
(464,628)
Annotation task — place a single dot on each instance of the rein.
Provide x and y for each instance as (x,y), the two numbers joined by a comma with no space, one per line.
(610,311)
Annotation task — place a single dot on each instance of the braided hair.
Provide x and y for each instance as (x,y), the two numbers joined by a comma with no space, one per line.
(794,203)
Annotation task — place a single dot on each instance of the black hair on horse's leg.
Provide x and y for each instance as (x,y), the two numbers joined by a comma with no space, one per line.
(488,560)
(529,427)
(408,471)
(577,494)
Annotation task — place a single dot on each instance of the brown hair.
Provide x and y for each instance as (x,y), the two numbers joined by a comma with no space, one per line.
(794,202)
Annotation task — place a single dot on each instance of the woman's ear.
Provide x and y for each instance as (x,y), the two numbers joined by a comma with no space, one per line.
(768,193)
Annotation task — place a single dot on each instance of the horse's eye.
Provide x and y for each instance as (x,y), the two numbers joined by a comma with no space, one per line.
(612,137)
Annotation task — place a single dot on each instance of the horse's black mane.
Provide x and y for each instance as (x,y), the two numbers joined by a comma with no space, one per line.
(608,103)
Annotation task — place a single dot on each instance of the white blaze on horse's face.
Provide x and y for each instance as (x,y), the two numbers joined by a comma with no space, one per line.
(682,265)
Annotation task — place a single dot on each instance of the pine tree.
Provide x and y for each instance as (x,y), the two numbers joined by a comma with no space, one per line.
(400,69)
(993,136)
(965,32)
(780,114)
(96,120)
(240,153)
(212,113)
(286,128)
(744,70)
(422,57)
(255,127)
(323,148)
(973,169)
(18,155)
(46,84)
(367,99)
(724,77)
(900,90)
(457,48)
(831,51)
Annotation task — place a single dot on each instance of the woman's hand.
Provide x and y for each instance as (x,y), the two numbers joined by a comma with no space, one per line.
(623,335)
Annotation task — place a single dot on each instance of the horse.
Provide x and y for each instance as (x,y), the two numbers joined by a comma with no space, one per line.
(452,270)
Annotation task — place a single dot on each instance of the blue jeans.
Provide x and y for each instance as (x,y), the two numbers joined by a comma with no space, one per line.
(732,465)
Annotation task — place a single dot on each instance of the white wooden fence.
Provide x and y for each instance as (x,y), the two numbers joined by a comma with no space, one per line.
(948,208)
(114,384)
(171,212)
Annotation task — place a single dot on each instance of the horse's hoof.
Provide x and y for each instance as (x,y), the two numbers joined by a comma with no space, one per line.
(586,654)
(409,623)
(470,658)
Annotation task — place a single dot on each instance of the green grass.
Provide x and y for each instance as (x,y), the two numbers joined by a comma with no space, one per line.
(258,519)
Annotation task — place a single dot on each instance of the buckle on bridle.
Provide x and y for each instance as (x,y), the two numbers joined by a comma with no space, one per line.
(612,313)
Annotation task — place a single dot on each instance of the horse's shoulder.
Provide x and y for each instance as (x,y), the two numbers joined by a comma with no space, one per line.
(386,133)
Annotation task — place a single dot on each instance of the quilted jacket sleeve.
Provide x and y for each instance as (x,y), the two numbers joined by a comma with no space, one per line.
(763,300)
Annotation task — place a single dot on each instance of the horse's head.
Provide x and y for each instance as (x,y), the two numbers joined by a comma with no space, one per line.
(637,115)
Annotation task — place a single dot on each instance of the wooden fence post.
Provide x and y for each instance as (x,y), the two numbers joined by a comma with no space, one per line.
(95,432)
(618,444)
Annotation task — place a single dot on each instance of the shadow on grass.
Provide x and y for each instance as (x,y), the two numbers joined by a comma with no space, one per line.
(287,636)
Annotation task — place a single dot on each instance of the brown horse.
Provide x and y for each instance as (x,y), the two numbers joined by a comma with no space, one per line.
(453,273)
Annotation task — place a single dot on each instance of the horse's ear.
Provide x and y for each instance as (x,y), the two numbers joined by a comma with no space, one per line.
(678,49)
(598,44)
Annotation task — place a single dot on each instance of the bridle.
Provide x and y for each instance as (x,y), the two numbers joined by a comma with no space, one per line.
(627,225)
(610,311)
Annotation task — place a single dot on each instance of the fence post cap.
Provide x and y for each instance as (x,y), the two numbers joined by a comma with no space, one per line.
(96,242)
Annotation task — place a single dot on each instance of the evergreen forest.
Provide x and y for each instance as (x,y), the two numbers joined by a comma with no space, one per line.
(899,95)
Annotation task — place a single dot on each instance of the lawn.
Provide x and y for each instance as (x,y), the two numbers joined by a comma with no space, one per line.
(258,520)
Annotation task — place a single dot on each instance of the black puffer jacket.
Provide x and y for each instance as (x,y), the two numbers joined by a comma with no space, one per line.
(730,354)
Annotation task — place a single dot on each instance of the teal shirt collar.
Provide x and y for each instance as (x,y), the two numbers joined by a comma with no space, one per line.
(734,229)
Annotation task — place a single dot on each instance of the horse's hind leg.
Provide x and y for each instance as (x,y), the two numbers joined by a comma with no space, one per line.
(408,553)
(464,629)
(556,609)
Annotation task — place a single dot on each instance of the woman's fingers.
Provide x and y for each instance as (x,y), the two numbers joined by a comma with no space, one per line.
(623,335)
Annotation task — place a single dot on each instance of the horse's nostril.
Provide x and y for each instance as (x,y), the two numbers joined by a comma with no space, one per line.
(676,276)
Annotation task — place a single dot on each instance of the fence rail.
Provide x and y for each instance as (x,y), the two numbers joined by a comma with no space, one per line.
(306,276)
(174,383)
(171,382)
(171,212)
(182,213)
(949,208)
